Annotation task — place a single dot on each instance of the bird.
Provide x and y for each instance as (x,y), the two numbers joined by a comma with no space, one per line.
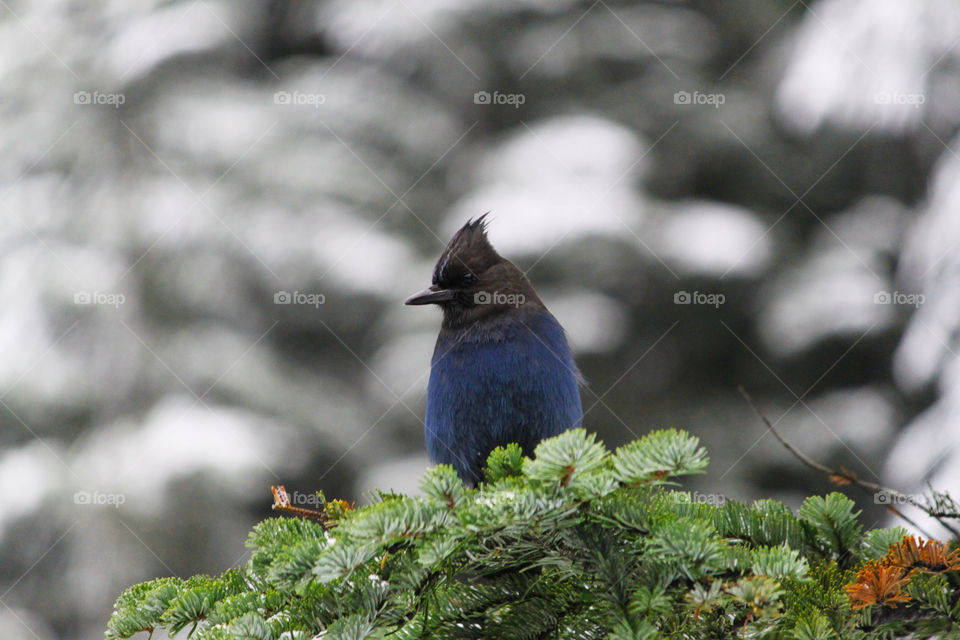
(502,370)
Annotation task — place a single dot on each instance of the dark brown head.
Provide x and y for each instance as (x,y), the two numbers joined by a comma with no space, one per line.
(471,281)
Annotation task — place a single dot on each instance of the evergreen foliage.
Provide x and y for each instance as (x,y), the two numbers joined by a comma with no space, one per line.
(577,543)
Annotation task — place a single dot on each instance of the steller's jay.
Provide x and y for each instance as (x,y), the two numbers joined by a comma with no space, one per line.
(502,370)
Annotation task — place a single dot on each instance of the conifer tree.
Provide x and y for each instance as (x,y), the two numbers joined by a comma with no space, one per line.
(577,543)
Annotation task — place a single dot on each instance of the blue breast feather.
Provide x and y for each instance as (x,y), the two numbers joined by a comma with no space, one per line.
(510,380)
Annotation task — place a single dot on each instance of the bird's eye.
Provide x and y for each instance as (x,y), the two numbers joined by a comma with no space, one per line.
(469,279)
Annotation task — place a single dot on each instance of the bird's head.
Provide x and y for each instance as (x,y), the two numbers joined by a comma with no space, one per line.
(471,281)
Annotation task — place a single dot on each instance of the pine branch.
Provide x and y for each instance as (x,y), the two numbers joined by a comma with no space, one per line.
(579,543)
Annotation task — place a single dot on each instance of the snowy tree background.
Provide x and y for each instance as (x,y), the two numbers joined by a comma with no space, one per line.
(210,213)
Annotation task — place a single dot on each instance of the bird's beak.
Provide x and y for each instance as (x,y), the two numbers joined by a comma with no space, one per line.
(431,295)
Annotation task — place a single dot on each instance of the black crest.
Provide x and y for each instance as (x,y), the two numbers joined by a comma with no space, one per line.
(469,251)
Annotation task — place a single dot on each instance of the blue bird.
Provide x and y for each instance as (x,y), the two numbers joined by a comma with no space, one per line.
(502,370)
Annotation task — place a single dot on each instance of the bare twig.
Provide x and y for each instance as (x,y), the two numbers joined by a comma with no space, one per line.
(845,476)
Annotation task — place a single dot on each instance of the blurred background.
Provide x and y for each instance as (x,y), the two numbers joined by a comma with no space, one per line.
(211,212)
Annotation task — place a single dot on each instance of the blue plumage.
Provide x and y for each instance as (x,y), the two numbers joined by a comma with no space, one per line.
(502,370)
